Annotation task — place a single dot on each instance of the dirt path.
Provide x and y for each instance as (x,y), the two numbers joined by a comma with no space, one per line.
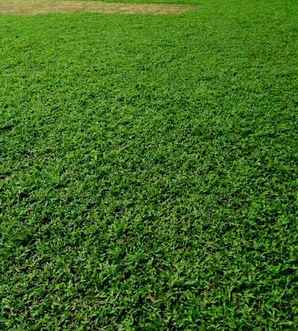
(36,7)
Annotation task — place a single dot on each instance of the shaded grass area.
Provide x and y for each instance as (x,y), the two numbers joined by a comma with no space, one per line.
(149,170)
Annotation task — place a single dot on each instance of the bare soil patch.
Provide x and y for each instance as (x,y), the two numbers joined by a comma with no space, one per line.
(35,7)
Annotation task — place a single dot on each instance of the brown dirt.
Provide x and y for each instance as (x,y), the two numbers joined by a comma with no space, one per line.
(36,7)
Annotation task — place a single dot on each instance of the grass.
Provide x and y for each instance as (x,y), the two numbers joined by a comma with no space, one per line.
(149,170)
(46,7)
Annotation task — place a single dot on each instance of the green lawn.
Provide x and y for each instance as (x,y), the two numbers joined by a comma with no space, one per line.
(148,169)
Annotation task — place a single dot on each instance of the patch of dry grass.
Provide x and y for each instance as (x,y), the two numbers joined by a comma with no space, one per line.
(36,7)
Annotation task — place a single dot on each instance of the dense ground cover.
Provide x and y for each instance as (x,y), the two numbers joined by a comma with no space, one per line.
(149,169)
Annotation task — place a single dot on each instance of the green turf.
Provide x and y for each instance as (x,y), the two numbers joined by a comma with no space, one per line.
(149,170)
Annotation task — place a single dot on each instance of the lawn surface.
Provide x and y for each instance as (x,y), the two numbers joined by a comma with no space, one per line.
(149,169)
